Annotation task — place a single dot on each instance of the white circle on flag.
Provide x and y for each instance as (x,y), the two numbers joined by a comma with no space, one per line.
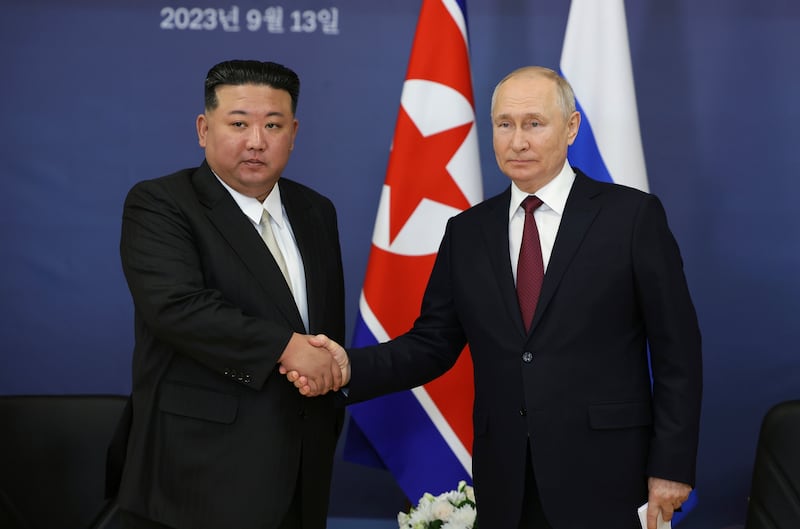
(434,108)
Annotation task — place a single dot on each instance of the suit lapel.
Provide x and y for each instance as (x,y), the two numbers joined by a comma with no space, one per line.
(305,226)
(579,212)
(495,233)
(237,230)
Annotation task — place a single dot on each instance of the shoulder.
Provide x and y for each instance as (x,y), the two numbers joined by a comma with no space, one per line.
(165,183)
(587,185)
(173,188)
(617,197)
(293,191)
(491,207)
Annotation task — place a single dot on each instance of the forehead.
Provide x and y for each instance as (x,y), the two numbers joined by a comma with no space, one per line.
(527,94)
(252,96)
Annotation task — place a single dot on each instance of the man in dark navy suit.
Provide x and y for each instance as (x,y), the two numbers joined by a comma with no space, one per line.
(569,431)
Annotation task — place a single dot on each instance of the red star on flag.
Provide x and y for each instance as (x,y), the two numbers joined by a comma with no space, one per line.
(418,169)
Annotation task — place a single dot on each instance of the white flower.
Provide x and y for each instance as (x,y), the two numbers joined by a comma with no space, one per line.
(442,509)
(450,510)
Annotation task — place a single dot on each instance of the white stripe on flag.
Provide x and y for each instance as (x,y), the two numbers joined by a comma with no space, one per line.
(444,428)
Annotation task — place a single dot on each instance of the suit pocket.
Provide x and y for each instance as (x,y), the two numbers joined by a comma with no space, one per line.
(197,403)
(611,416)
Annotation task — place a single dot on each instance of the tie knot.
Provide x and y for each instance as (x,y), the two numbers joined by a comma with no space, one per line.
(530,203)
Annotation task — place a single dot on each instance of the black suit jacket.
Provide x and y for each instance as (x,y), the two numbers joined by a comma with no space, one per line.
(577,386)
(219,438)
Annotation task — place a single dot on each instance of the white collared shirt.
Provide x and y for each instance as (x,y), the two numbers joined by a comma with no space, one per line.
(548,216)
(284,236)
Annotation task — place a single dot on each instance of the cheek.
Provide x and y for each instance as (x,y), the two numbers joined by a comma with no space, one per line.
(230,144)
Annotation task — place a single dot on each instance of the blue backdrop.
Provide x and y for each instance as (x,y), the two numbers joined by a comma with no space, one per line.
(97,95)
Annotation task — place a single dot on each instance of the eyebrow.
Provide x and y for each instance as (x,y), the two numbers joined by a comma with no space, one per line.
(274,113)
(527,115)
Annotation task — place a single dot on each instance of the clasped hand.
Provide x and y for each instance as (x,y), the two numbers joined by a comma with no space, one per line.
(315,364)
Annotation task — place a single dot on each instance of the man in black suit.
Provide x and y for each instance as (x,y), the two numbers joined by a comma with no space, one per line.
(218,438)
(569,433)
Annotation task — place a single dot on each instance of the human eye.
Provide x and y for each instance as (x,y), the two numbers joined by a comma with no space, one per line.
(238,124)
(273,126)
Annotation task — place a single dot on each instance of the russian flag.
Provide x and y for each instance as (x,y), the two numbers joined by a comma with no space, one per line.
(596,60)
(423,436)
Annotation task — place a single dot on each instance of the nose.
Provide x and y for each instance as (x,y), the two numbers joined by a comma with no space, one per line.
(256,139)
(519,142)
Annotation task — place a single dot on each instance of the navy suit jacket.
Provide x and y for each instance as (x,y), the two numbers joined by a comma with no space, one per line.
(219,438)
(576,389)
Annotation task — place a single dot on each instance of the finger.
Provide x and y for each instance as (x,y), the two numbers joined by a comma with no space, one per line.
(652,517)
(281,369)
(314,387)
(336,373)
(327,381)
(320,340)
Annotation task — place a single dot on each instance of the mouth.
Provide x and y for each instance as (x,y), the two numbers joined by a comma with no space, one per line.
(253,162)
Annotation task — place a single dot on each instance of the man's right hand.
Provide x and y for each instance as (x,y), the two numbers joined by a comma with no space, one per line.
(320,371)
(305,383)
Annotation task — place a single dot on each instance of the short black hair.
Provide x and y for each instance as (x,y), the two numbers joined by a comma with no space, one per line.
(240,72)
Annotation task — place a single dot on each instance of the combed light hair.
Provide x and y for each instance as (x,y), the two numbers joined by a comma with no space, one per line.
(564,93)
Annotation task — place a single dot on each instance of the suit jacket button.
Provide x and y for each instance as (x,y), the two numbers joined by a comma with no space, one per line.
(523,412)
(527,357)
(227,372)
(247,379)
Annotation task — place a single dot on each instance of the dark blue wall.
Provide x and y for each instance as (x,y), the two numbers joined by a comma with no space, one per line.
(96,96)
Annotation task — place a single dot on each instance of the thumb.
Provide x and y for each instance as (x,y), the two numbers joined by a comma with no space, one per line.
(319,340)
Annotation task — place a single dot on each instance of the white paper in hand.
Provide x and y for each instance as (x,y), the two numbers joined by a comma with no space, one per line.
(643,518)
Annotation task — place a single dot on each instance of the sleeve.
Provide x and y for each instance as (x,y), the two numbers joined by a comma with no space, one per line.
(674,343)
(163,264)
(426,351)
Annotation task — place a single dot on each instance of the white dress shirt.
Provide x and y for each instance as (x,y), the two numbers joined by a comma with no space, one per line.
(547,216)
(284,236)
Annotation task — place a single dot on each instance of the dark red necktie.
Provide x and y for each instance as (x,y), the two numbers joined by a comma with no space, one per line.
(530,268)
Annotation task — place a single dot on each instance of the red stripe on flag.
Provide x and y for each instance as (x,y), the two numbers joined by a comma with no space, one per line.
(394,286)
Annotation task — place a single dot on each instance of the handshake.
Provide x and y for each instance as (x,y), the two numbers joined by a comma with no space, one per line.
(315,364)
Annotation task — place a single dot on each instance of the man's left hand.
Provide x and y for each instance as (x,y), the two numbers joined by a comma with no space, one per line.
(666,497)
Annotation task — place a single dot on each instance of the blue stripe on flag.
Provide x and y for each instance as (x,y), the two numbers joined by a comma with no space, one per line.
(358,448)
(584,154)
(362,336)
(412,430)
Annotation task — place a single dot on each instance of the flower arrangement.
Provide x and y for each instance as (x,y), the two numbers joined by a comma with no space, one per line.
(450,510)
